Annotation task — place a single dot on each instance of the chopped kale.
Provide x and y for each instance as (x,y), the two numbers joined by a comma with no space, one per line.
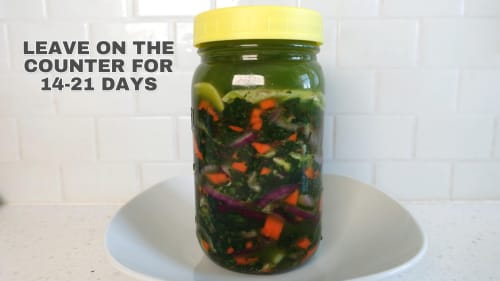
(249,151)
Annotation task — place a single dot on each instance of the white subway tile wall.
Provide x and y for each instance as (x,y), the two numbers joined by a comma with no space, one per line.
(374,137)
(350,91)
(4,53)
(461,42)
(20,31)
(343,8)
(480,91)
(172,97)
(57,138)
(329,46)
(377,43)
(153,30)
(422,180)
(187,58)
(454,137)
(482,8)
(430,8)
(412,99)
(418,91)
(22,9)
(30,182)
(135,138)
(9,140)
(90,103)
(167,8)
(328,136)
(89,9)
(184,139)
(360,170)
(99,182)
(477,181)
(153,173)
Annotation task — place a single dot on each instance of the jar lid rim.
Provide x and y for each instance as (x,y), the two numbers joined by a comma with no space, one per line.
(258,22)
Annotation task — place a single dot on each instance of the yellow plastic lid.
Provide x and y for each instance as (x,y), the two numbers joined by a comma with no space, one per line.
(258,22)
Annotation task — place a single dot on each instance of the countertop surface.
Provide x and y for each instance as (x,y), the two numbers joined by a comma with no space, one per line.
(63,242)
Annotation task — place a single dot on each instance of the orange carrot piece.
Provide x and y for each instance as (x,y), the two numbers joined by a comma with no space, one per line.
(309,253)
(293,198)
(242,260)
(217,178)
(256,112)
(209,109)
(248,245)
(230,250)
(235,128)
(261,148)
(265,171)
(255,119)
(309,172)
(203,105)
(205,245)
(197,151)
(293,137)
(257,125)
(304,243)
(240,166)
(272,227)
(267,104)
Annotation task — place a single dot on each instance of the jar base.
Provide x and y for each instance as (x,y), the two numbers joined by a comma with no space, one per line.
(259,268)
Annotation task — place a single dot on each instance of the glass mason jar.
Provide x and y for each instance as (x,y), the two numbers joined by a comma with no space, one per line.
(257,120)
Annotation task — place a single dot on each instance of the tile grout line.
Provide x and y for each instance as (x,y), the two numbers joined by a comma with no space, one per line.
(458,91)
(96,139)
(175,139)
(452,180)
(172,32)
(462,8)
(414,138)
(377,85)
(45,14)
(19,142)
(18,138)
(125,8)
(8,47)
(189,18)
(132,5)
(419,45)
(496,123)
(334,137)
(86,29)
(140,176)
(338,28)
(380,6)
(333,141)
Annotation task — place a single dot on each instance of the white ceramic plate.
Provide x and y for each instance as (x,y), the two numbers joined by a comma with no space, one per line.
(366,236)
